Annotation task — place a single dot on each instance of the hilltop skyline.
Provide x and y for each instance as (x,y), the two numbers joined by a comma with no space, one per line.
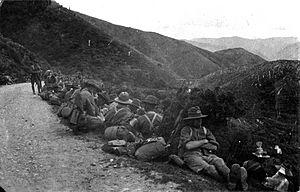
(196,18)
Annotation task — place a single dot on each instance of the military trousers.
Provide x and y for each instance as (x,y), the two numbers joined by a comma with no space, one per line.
(210,164)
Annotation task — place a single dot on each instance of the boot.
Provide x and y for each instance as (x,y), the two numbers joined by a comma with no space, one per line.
(234,176)
(212,171)
(237,175)
(244,176)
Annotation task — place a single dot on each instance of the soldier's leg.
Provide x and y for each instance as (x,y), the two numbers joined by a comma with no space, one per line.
(198,164)
(39,84)
(220,166)
(32,83)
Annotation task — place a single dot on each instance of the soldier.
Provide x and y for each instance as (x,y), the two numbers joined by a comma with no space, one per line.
(35,71)
(197,148)
(117,119)
(87,112)
(147,125)
(146,128)
(121,113)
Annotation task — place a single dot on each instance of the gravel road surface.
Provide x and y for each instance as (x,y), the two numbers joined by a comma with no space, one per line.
(39,153)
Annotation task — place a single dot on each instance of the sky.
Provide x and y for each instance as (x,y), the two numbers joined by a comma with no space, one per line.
(187,19)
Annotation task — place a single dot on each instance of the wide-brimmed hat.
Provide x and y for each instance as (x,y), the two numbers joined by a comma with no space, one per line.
(123,98)
(151,99)
(194,113)
(136,102)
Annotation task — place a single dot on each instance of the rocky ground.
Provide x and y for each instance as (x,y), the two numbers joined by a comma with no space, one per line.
(39,153)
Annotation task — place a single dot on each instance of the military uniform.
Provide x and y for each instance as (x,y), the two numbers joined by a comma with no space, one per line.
(86,115)
(146,125)
(202,158)
(118,116)
(35,77)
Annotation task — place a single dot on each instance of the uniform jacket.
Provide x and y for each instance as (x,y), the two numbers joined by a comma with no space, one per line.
(193,134)
(118,116)
(148,124)
(84,100)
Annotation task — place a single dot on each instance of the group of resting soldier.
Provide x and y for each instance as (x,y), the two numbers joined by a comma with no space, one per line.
(131,127)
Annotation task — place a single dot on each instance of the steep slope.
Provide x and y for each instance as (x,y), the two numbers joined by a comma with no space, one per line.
(270,94)
(265,48)
(184,59)
(291,51)
(71,44)
(240,57)
(15,60)
(260,82)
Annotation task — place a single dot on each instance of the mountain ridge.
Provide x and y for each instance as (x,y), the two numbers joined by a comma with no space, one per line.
(265,48)
(240,56)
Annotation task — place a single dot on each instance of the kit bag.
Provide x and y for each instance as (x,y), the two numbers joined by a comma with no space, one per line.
(152,149)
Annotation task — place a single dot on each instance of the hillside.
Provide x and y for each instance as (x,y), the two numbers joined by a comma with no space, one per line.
(62,38)
(185,60)
(265,48)
(270,94)
(15,60)
(240,57)
(291,51)
(251,83)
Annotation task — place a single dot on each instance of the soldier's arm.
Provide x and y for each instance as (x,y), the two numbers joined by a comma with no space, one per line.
(211,138)
(186,136)
(195,144)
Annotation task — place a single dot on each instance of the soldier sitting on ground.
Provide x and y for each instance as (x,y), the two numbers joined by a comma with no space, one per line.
(146,127)
(86,115)
(119,114)
(197,148)
(117,119)
(50,82)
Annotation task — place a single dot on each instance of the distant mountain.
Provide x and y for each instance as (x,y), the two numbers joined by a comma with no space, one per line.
(240,57)
(207,46)
(291,51)
(70,44)
(265,48)
(185,60)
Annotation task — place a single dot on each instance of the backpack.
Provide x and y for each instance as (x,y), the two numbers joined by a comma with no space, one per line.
(65,110)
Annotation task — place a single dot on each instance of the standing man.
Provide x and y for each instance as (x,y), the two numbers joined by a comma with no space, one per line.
(197,148)
(35,77)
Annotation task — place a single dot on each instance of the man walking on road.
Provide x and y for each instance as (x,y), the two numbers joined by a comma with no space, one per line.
(35,77)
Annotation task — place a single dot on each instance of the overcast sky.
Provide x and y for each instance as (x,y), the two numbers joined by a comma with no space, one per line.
(187,19)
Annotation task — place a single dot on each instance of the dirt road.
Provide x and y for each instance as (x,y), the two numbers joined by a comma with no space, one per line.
(38,153)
